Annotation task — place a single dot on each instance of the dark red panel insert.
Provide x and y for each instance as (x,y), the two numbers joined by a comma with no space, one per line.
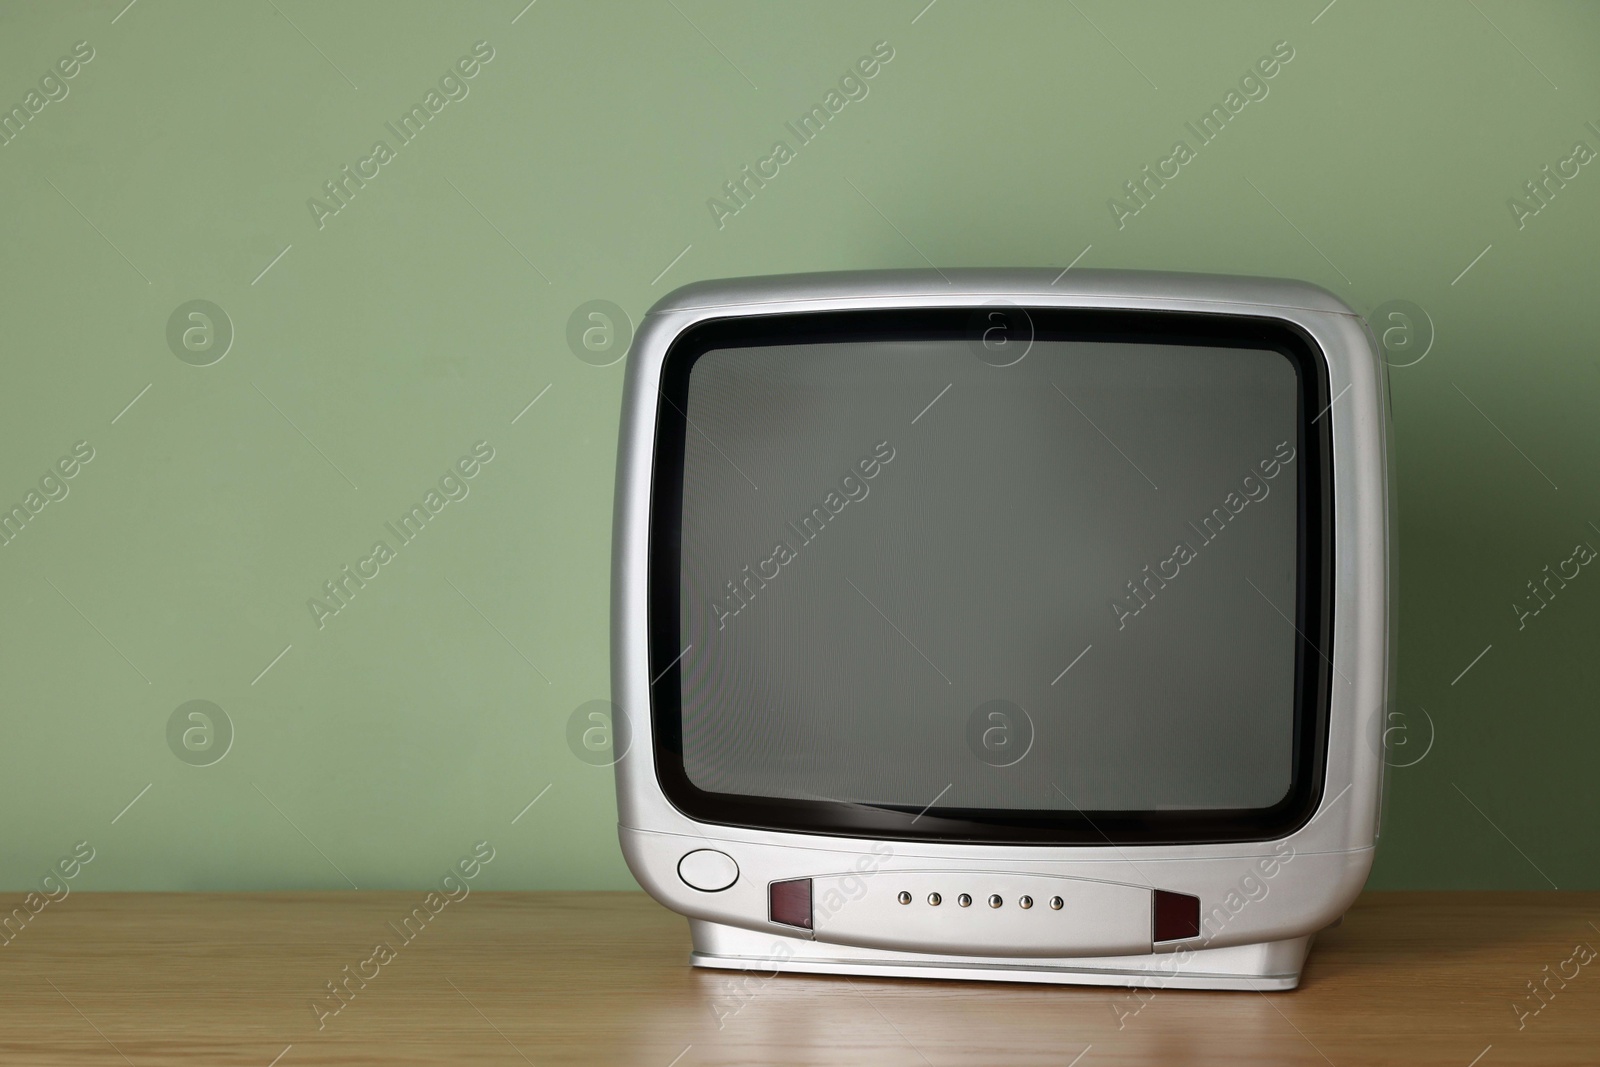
(790,902)
(1177,916)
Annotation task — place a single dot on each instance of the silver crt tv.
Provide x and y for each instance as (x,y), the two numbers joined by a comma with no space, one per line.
(1000,624)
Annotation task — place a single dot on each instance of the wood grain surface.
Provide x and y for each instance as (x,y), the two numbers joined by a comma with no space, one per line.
(603,978)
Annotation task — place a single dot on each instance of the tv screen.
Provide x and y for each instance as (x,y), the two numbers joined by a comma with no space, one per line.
(1056,582)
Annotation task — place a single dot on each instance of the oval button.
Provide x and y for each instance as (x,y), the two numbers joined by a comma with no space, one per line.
(708,870)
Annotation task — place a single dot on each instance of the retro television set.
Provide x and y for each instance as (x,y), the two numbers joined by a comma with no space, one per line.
(1001,624)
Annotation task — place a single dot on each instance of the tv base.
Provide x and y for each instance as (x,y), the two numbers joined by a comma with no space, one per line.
(1268,967)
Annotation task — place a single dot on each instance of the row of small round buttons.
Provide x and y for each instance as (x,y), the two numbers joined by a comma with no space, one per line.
(995,900)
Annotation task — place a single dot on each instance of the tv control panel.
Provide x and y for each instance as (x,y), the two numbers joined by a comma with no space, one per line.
(983,913)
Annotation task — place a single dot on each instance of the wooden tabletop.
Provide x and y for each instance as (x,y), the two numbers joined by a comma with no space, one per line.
(603,978)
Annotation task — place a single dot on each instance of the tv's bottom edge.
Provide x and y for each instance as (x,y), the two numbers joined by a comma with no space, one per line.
(1269,967)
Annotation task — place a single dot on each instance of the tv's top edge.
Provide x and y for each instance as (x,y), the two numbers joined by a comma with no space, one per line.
(1002,284)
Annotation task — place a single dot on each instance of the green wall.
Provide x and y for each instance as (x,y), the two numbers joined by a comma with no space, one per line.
(420,319)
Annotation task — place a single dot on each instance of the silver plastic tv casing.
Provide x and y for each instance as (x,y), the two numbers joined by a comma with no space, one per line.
(1257,926)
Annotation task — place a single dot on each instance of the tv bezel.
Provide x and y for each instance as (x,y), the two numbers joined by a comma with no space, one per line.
(1313,620)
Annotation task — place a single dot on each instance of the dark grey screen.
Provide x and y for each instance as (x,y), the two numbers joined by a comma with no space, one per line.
(909,576)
